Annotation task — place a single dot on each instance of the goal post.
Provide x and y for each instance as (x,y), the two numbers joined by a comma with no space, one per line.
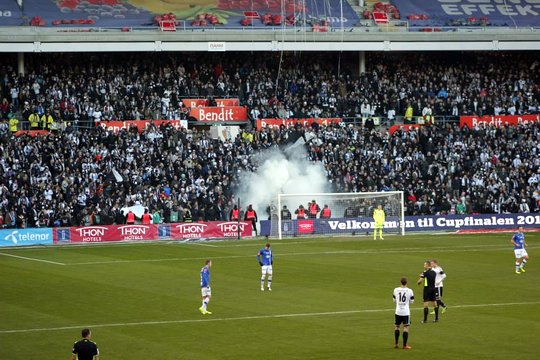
(336,213)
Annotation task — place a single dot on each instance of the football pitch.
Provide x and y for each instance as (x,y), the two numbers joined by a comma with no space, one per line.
(331,299)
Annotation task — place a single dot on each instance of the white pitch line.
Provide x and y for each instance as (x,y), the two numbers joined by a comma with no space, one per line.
(202,244)
(33,259)
(254,317)
(337,252)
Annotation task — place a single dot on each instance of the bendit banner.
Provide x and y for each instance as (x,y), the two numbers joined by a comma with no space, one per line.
(472,121)
(25,237)
(262,123)
(212,114)
(32,133)
(141,125)
(409,127)
(106,233)
(228,102)
(412,224)
(193,103)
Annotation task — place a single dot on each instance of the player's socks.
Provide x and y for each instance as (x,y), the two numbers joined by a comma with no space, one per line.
(517,267)
(521,267)
(405,338)
(269,283)
(426,311)
(262,283)
(436,313)
(396,336)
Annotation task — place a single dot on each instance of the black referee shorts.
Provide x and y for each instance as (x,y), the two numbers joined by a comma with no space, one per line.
(430,294)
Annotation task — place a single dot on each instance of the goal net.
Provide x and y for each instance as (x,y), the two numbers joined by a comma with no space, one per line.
(336,214)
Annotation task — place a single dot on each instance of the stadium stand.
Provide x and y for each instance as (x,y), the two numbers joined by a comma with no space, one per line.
(152,86)
(69,178)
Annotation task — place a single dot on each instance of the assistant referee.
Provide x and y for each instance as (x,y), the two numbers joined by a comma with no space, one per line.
(85,349)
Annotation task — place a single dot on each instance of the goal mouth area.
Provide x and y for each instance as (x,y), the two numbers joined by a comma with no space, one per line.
(328,214)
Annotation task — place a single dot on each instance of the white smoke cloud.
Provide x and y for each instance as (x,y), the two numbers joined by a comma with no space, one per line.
(281,172)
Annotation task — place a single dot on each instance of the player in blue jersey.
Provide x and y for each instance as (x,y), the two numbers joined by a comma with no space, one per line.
(518,240)
(206,291)
(266,260)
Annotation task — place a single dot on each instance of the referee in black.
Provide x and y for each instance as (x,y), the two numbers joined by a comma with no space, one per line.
(430,296)
(85,349)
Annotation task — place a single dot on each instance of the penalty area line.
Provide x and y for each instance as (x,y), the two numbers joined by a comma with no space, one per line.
(33,259)
(243,318)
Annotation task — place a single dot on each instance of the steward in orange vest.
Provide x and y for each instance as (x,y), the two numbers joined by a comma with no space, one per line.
(300,212)
(146,218)
(234,215)
(130,218)
(326,213)
(313,210)
(251,215)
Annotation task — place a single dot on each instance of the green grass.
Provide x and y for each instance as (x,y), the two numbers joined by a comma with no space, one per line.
(331,299)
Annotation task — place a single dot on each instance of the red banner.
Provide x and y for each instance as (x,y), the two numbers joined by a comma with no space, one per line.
(219,113)
(228,102)
(32,133)
(104,233)
(261,123)
(213,229)
(472,121)
(409,127)
(141,125)
(193,103)
(306,226)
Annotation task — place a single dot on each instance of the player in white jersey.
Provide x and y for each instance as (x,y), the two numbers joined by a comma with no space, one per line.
(403,297)
(441,275)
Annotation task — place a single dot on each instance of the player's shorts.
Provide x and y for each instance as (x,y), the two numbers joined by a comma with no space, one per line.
(438,292)
(402,319)
(379,225)
(206,291)
(520,253)
(429,294)
(266,269)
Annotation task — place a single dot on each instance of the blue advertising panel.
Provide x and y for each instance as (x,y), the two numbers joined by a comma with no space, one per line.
(415,224)
(497,12)
(164,232)
(25,237)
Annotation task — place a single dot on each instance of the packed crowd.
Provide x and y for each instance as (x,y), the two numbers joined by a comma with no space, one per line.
(82,89)
(69,178)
